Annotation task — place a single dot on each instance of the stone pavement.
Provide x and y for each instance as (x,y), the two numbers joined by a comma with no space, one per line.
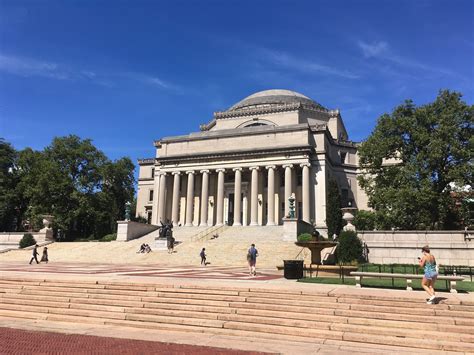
(199,272)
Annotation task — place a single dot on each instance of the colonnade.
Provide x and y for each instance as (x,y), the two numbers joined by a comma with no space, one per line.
(254,201)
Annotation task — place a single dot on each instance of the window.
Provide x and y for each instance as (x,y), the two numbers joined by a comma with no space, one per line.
(152,173)
(256,124)
(344,197)
(343,157)
(150,197)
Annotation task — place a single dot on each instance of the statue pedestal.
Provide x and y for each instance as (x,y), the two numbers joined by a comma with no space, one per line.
(292,227)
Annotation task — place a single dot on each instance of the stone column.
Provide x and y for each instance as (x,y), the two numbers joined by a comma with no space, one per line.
(155,218)
(288,185)
(204,197)
(220,197)
(271,196)
(305,192)
(175,205)
(190,199)
(161,202)
(254,197)
(320,203)
(237,196)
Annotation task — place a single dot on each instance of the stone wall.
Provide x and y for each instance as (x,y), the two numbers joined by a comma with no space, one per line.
(389,247)
(11,240)
(128,230)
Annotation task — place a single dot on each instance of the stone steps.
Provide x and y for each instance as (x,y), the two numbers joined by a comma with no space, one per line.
(363,319)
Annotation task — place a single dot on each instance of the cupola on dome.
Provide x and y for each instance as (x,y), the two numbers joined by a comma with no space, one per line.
(274,98)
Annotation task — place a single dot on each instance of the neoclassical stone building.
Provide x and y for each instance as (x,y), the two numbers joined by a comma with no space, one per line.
(243,165)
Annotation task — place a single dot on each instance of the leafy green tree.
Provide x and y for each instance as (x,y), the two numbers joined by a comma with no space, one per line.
(333,209)
(414,158)
(74,181)
(8,182)
(365,220)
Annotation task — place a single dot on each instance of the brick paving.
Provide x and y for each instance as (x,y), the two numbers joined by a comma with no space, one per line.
(15,341)
(208,272)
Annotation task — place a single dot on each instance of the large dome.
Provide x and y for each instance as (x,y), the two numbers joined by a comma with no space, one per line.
(274,97)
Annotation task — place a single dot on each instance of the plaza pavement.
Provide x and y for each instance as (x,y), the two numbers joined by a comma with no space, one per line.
(19,275)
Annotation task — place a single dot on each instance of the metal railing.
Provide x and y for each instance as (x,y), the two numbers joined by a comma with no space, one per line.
(203,235)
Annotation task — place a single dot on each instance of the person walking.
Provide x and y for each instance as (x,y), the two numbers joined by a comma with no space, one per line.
(428,262)
(202,254)
(35,253)
(45,255)
(252,254)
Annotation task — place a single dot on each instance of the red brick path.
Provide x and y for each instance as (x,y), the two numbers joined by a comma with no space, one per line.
(15,341)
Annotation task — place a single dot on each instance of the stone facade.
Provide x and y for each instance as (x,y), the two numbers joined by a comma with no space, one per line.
(263,149)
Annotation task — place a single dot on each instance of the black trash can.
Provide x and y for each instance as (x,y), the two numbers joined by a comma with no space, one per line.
(293,269)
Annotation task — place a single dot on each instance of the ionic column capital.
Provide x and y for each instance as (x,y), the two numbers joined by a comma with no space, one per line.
(305,164)
(162,173)
(237,169)
(268,167)
(220,170)
(254,168)
(176,173)
(190,172)
(288,166)
(204,171)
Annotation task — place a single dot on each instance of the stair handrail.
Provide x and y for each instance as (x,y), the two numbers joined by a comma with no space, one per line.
(205,233)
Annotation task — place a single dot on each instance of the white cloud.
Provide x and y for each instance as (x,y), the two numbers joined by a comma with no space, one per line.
(27,67)
(375,49)
(382,51)
(307,66)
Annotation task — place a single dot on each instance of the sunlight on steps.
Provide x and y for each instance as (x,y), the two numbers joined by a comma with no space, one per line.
(367,323)
(228,249)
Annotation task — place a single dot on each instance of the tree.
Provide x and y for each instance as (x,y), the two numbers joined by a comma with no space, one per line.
(414,158)
(76,183)
(8,181)
(333,209)
(349,248)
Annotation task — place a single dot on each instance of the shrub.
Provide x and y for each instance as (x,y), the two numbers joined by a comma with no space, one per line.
(27,240)
(334,219)
(304,237)
(349,248)
(365,220)
(109,237)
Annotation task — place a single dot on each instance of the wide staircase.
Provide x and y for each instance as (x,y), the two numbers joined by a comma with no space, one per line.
(365,323)
(228,249)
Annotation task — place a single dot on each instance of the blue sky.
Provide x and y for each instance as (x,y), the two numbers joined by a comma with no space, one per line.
(124,73)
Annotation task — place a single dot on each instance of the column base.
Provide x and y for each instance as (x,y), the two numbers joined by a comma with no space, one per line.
(254,223)
(203,225)
(219,224)
(189,225)
(236,224)
(271,224)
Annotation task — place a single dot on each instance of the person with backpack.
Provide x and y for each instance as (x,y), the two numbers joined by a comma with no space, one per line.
(202,254)
(252,254)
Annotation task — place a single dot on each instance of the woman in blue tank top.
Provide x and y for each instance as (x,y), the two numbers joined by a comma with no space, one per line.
(428,262)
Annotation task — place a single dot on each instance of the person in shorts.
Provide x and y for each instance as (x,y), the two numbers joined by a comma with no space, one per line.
(428,262)
(252,254)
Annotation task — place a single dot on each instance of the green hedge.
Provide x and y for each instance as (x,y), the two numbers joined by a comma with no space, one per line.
(27,240)
(349,249)
(304,237)
(109,237)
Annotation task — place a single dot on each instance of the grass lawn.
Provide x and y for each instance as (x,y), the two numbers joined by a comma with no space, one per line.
(463,286)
